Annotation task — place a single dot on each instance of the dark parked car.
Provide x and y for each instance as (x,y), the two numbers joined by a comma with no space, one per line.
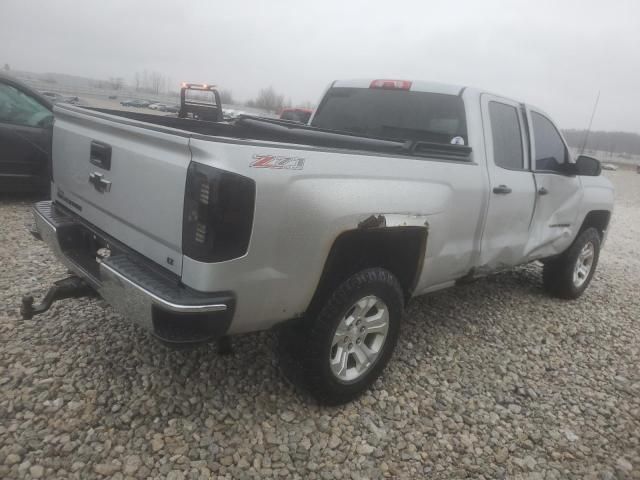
(26,122)
(52,96)
(135,103)
(73,100)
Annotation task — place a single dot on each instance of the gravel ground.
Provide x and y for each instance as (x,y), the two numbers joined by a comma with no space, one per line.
(490,380)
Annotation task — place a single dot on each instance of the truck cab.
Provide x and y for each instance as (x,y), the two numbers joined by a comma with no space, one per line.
(536,190)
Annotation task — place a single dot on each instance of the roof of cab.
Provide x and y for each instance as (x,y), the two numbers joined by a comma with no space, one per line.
(416,86)
(432,87)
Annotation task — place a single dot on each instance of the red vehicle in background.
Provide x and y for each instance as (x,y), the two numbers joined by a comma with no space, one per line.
(300,115)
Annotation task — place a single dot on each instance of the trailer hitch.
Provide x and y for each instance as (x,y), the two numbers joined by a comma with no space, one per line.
(70,287)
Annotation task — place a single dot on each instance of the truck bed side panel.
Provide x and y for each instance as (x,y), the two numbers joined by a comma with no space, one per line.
(300,212)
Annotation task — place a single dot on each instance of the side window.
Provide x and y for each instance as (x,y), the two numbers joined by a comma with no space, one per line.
(551,154)
(507,136)
(20,109)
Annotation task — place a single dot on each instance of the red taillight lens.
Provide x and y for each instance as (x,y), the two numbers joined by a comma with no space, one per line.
(391,84)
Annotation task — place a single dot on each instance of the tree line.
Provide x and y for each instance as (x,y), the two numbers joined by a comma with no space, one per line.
(156,83)
(613,142)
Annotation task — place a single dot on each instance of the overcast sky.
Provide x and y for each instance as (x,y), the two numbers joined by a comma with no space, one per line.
(554,54)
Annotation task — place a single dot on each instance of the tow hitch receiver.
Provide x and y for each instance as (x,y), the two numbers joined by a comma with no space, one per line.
(70,287)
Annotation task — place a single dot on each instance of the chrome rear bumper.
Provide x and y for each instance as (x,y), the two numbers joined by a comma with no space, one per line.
(131,284)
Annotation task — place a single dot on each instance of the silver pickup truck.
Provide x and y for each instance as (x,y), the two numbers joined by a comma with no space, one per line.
(200,230)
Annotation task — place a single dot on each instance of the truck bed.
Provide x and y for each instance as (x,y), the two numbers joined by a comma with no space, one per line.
(250,128)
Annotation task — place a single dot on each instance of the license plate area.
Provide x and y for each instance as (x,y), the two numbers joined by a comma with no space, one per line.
(85,248)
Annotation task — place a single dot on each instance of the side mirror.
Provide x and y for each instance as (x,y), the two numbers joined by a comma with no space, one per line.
(588,166)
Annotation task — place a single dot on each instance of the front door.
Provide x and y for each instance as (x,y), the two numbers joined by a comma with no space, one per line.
(558,194)
(25,140)
(512,188)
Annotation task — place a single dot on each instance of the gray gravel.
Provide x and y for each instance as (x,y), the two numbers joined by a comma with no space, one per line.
(491,380)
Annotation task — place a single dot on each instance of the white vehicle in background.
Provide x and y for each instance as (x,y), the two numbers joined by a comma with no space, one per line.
(162,107)
(229,113)
(202,229)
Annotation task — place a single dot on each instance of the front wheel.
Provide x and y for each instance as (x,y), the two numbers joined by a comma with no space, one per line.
(569,275)
(338,353)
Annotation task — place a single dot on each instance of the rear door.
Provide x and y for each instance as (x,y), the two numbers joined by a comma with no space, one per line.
(125,177)
(512,187)
(559,194)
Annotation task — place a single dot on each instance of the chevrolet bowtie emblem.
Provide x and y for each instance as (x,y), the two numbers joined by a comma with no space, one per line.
(98,181)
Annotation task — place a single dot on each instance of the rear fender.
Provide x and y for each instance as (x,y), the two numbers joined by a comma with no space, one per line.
(396,242)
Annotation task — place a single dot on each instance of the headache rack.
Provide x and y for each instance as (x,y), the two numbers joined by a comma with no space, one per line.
(200,108)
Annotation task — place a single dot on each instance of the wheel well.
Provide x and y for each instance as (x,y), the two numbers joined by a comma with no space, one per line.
(598,219)
(398,249)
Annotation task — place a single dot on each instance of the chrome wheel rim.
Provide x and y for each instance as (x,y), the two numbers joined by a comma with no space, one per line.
(583,266)
(359,339)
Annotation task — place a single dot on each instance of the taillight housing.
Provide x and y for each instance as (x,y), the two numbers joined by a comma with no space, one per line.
(218,214)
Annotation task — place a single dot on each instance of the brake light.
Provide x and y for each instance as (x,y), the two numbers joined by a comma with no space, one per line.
(391,84)
(218,214)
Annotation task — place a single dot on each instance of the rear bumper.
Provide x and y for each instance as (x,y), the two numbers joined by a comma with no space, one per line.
(131,284)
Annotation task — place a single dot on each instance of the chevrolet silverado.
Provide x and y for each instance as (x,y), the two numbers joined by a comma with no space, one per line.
(199,230)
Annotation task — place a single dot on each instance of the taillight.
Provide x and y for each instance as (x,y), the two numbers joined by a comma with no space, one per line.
(218,214)
(391,84)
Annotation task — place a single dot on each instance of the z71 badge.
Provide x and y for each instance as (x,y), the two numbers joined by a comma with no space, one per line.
(277,163)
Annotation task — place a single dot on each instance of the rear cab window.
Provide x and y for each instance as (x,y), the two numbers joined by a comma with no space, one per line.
(507,136)
(394,114)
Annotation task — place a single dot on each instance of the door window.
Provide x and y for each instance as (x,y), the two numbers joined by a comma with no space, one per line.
(551,152)
(20,109)
(507,136)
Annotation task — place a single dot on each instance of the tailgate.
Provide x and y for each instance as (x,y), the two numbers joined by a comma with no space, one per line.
(125,177)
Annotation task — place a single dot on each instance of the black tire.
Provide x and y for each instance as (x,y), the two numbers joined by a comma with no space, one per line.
(304,348)
(557,273)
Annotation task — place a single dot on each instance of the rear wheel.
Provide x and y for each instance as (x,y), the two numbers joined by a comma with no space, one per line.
(338,353)
(569,275)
